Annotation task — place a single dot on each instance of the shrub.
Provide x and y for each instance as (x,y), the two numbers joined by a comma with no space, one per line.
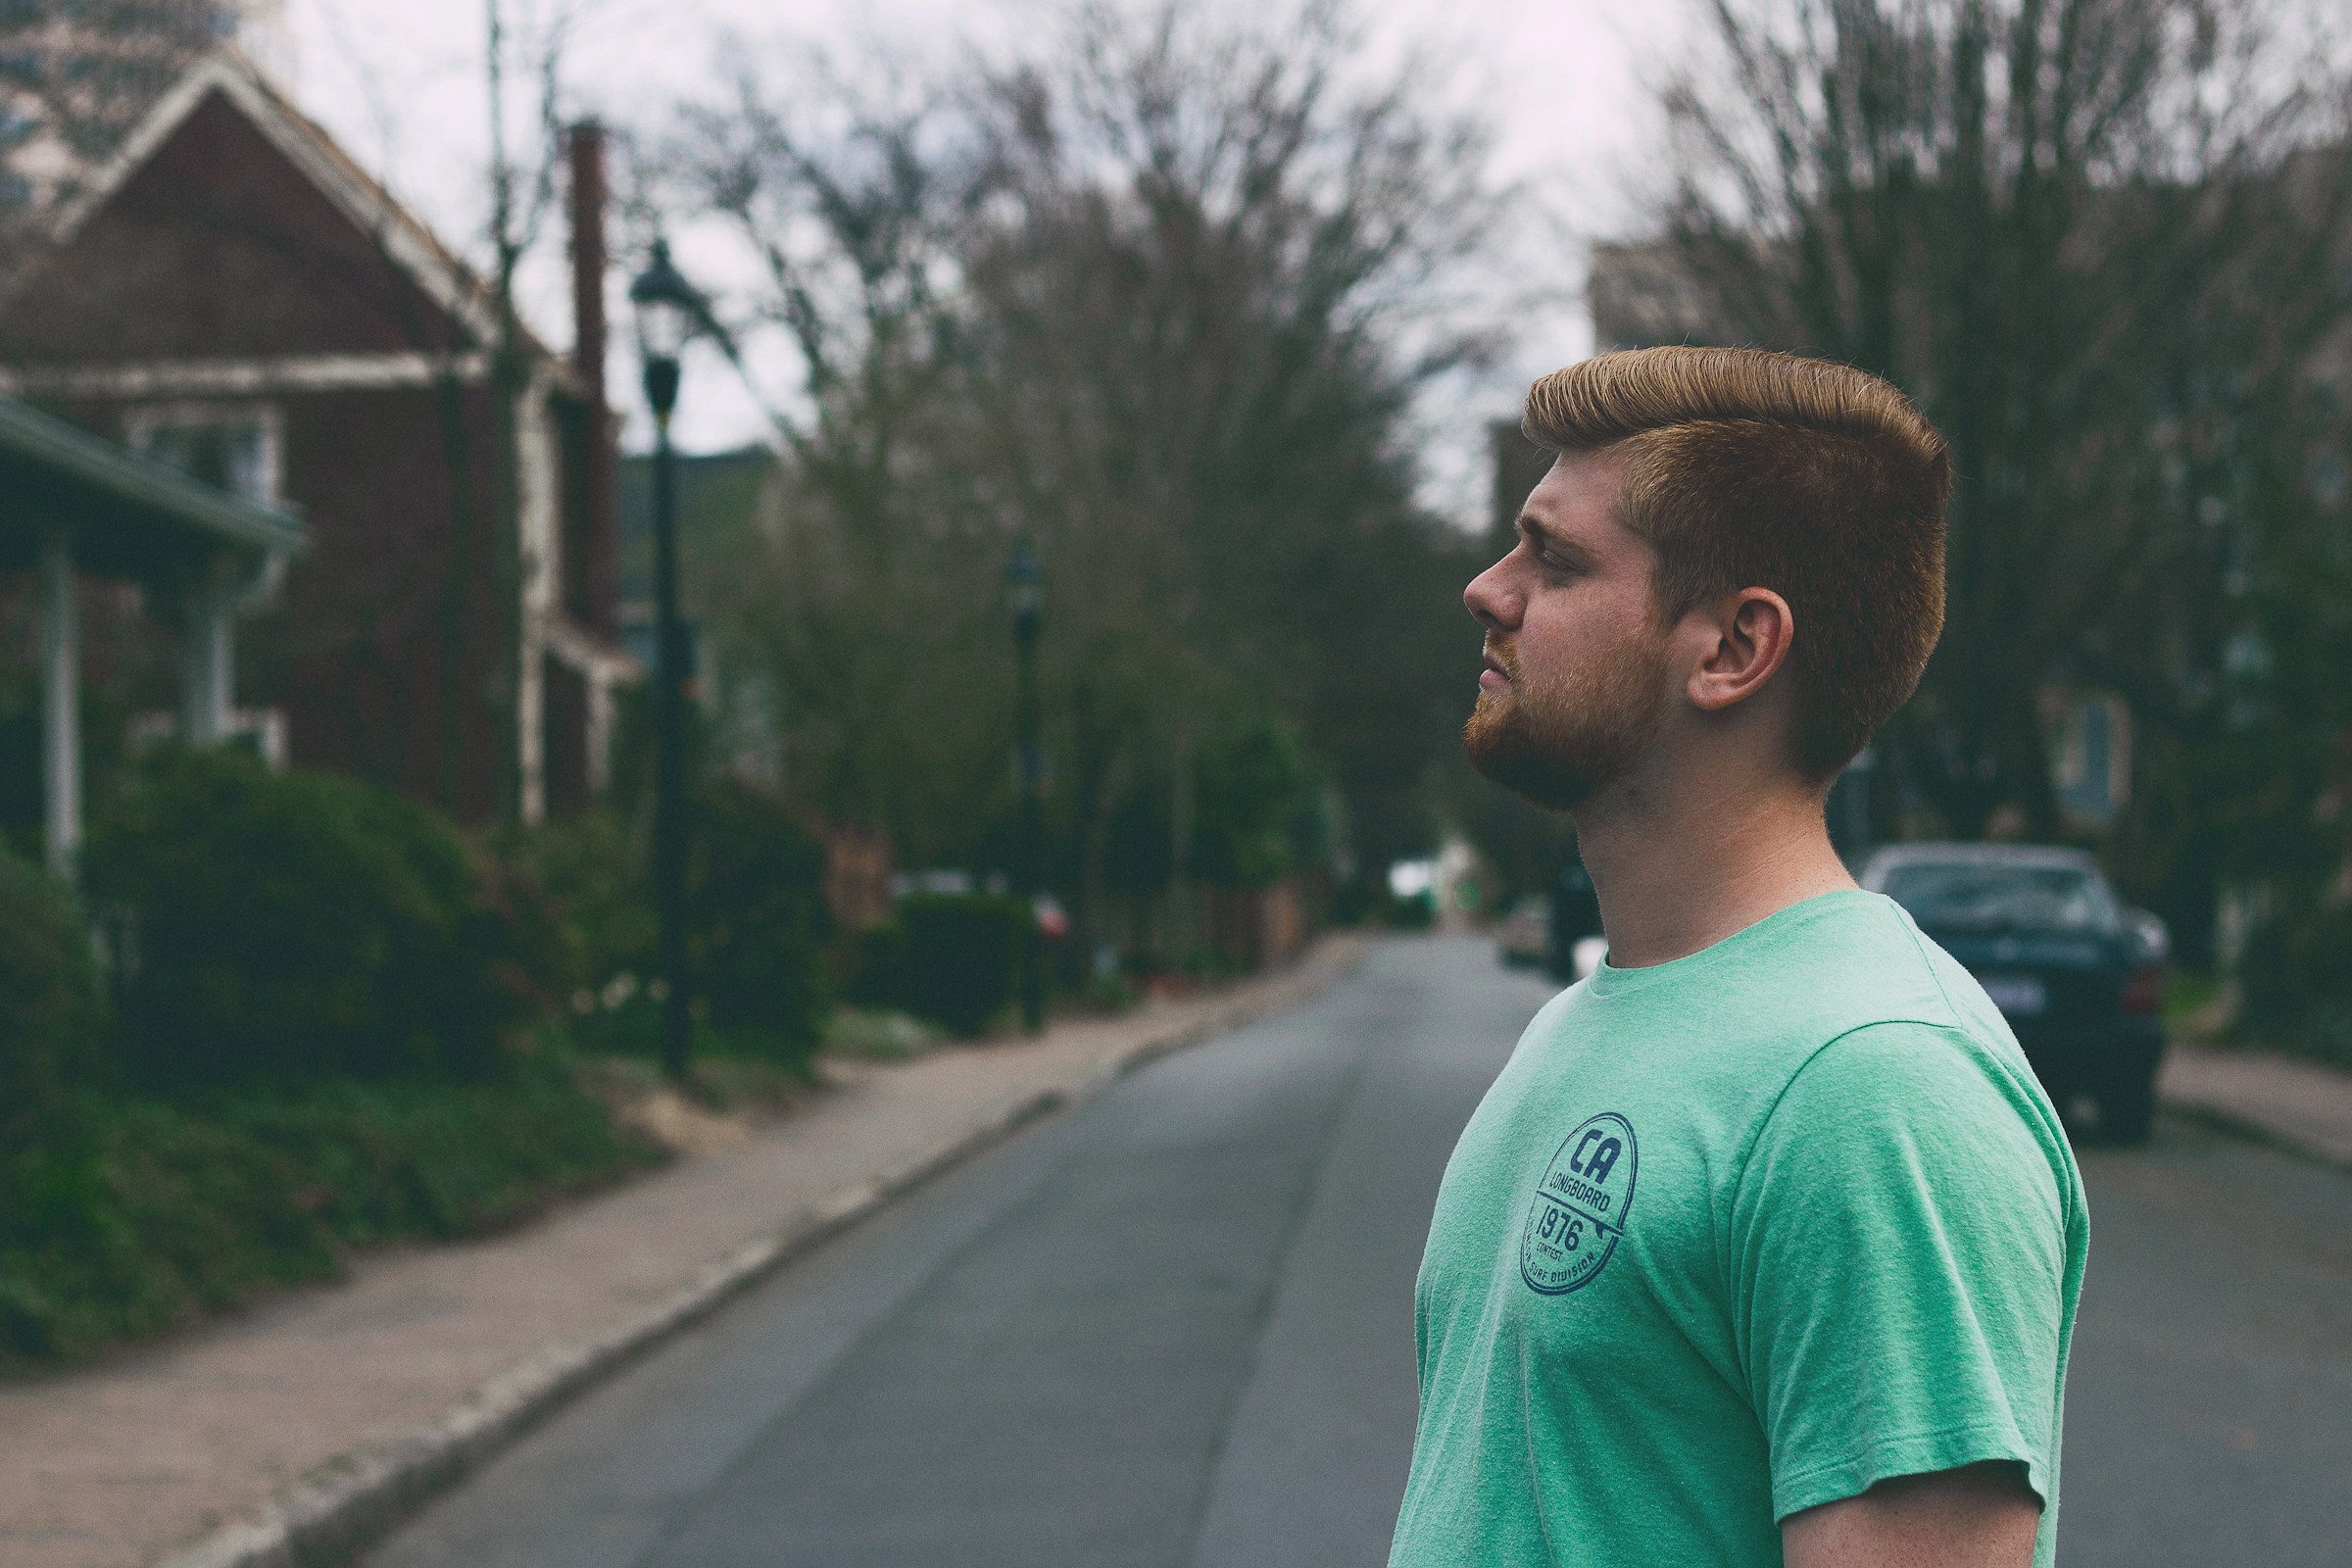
(955,959)
(757,895)
(296,927)
(593,902)
(170,1209)
(756,926)
(51,1013)
(2295,990)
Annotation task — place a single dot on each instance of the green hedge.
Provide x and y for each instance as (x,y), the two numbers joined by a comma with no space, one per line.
(138,1216)
(52,1015)
(756,929)
(2297,980)
(316,1035)
(757,891)
(281,928)
(954,959)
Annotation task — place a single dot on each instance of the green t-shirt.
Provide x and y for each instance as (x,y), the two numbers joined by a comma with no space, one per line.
(1735,1236)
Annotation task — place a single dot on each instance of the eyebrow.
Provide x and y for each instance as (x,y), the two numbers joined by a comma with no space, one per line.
(1553,540)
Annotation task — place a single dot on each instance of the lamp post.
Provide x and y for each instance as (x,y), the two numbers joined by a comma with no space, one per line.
(669,310)
(1025,594)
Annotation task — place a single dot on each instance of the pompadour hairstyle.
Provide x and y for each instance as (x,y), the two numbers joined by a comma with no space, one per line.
(1751,470)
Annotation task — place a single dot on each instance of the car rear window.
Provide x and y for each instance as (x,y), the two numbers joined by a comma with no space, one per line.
(2010,897)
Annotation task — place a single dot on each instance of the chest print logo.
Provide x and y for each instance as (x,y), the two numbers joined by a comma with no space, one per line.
(1580,1207)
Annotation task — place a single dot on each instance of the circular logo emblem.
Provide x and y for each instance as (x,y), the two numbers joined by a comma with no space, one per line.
(1579,1206)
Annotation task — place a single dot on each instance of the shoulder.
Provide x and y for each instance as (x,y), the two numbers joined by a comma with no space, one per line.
(1937,1102)
(1869,964)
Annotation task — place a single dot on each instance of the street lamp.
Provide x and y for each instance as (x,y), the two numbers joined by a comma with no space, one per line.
(1025,595)
(668,313)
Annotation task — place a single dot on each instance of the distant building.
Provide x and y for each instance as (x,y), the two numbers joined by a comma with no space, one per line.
(231,293)
(1643,297)
(76,78)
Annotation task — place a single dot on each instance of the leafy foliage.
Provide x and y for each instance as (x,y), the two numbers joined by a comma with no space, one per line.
(52,1015)
(303,926)
(1257,799)
(950,958)
(153,1213)
(756,933)
(757,887)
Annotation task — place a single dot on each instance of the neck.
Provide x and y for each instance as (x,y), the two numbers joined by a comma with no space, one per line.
(1681,861)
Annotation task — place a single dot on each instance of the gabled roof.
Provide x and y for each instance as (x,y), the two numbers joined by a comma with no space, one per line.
(407,242)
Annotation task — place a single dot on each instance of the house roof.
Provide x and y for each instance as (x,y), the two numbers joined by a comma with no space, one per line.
(126,512)
(405,239)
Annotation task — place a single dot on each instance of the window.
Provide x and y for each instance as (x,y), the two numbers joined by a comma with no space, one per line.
(1989,897)
(233,447)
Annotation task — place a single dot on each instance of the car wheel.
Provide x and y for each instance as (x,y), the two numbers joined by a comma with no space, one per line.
(2128,1109)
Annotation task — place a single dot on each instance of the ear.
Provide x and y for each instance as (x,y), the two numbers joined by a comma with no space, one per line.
(1749,635)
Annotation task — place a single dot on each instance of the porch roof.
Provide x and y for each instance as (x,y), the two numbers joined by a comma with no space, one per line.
(128,513)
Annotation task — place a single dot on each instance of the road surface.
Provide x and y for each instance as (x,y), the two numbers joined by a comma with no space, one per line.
(1175,1328)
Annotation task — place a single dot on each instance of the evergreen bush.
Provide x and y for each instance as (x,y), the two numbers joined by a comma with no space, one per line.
(160,1210)
(757,894)
(280,928)
(52,1015)
(756,926)
(957,958)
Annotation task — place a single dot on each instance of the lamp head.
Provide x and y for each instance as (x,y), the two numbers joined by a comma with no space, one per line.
(669,312)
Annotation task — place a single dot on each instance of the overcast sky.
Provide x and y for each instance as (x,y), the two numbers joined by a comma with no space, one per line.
(1565,82)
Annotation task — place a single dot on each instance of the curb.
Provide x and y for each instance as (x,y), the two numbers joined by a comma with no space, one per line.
(356,1499)
(2249,1130)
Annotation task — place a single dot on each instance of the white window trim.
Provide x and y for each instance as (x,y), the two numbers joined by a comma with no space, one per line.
(142,421)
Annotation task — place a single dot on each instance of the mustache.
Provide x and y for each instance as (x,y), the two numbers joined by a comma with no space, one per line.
(1504,654)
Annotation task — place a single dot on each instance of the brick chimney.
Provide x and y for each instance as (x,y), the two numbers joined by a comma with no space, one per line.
(599,578)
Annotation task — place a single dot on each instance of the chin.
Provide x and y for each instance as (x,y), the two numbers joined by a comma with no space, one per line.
(1501,748)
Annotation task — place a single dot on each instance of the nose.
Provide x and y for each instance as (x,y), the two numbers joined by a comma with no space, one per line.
(1492,600)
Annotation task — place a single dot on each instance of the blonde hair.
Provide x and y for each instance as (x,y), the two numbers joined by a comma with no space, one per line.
(1747,469)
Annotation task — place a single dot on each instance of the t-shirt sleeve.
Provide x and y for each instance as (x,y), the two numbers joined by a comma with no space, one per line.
(1899,1255)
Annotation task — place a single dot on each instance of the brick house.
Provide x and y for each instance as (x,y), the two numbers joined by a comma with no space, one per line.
(233,294)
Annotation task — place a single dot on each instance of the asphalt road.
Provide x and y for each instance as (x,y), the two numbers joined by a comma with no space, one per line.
(1175,1328)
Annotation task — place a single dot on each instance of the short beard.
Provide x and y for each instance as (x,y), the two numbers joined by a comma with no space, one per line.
(1559,747)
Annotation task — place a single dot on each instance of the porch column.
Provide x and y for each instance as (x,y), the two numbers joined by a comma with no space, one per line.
(208,670)
(61,703)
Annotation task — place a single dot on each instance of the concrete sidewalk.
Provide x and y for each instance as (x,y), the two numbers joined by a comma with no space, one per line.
(2300,1105)
(294,1431)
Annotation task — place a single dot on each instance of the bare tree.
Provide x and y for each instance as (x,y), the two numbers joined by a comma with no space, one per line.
(76,74)
(1155,293)
(1199,278)
(2090,237)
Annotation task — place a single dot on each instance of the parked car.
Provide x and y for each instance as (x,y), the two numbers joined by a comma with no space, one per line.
(2078,976)
(1525,934)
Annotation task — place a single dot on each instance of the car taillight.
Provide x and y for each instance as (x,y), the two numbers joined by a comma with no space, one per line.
(2143,991)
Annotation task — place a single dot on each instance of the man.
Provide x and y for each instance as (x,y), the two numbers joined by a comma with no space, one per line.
(1765,1246)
